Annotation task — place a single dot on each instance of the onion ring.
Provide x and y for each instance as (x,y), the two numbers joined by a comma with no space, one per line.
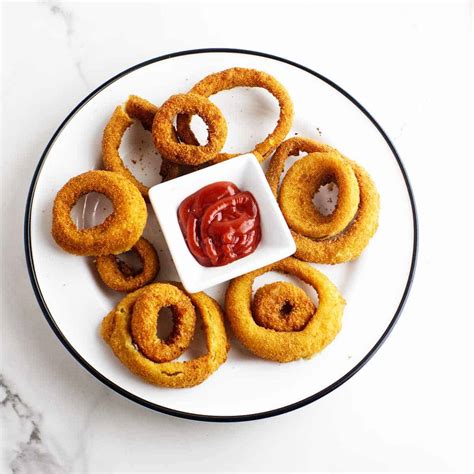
(281,346)
(115,331)
(300,183)
(282,306)
(242,77)
(346,245)
(164,133)
(291,147)
(121,120)
(144,320)
(120,230)
(119,276)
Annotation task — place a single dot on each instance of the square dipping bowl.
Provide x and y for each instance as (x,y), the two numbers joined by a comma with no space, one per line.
(246,173)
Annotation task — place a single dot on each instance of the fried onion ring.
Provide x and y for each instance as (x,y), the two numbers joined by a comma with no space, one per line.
(242,77)
(353,240)
(282,306)
(144,321)
(341,247)
(291,147)
(115,331)
(122,118)
(282,346)
(118,276)
(164,133)
(301,182)
(120,230)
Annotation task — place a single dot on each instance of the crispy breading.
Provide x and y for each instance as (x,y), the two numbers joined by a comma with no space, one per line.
(164,133)
(303,180)
(115,331)
(242,77)
(279,345)
(291,147)
(282,306)
(120,230)
(144,321)
(349,243)
(122,118)
(119,277)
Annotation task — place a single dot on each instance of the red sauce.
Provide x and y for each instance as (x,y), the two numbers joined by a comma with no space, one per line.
(220,224)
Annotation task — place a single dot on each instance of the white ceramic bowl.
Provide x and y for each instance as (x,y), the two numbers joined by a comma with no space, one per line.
(245,172)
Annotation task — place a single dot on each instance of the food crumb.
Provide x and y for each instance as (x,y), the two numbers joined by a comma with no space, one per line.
(134,162)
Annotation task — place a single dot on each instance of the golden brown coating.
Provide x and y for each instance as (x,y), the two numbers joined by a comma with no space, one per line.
(118,276)
(303,180)
(291,147)
(120,230)
(144,321)
(164,133)
(144,111)
(115,331)
(282,346)
(242,77)
(122,118)
(349,244)
(346,245)
(282,306)
(140,109)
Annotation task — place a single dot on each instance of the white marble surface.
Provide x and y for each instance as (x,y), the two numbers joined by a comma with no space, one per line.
(410,407)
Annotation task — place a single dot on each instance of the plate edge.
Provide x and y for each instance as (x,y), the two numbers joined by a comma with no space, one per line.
(193,416)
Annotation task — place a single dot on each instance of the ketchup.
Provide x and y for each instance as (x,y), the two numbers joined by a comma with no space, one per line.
(220,224)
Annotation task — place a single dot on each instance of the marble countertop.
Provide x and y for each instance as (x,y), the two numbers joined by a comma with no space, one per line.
(410,407)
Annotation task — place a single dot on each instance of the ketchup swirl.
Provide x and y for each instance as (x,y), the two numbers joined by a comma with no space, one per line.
(220,224)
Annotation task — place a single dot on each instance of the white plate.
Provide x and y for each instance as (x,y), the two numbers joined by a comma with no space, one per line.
(375,286)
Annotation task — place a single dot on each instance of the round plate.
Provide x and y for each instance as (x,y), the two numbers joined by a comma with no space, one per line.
(375,286)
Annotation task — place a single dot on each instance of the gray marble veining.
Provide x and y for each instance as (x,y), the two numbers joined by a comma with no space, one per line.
(27,453)
(57,9)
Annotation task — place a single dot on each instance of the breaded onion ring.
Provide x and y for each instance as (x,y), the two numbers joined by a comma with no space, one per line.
(242,77)
(282,306)
(303,180)
(164,133)
(142,110)
(115,331)
(144,321)
(122,118)
(346,245)
(118,276)
(281,346)
(291,147)
(352,241)
(120,230)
